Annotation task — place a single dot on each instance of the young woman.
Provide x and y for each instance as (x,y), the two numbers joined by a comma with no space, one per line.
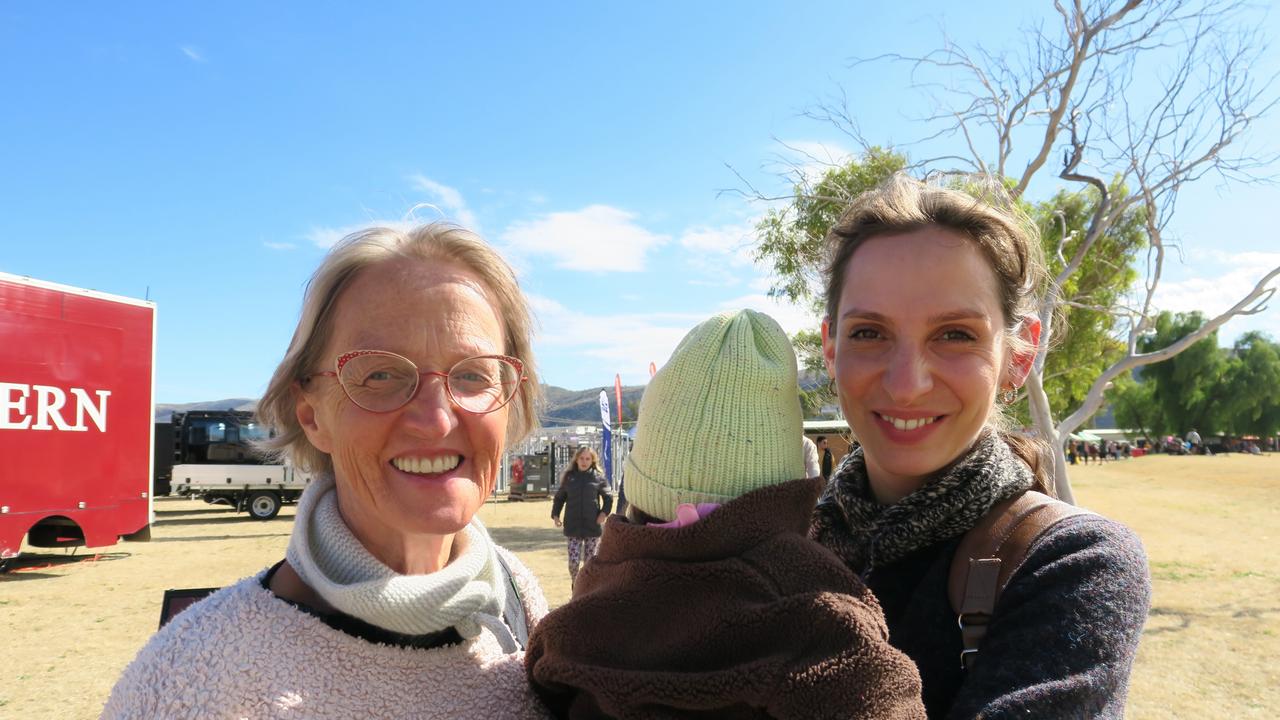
(585,498)
(931,319)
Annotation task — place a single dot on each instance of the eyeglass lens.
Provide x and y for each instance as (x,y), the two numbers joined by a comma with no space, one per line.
(382,382)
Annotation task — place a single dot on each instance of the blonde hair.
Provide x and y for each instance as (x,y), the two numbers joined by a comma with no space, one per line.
(1007,239)
(573,464)
(435,242)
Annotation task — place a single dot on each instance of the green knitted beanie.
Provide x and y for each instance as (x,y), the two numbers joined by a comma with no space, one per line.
(720,419)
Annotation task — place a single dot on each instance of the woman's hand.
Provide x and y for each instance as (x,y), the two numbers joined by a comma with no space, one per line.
(601,517)
(557,521)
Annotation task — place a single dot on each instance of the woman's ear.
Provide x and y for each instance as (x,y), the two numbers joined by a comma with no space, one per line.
(306,409)
(1024,357)
(828,348)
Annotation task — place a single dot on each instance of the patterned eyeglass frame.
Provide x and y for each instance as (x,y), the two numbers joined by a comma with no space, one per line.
(346,357)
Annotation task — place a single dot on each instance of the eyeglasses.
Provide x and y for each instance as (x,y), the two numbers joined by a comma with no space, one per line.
(381,381)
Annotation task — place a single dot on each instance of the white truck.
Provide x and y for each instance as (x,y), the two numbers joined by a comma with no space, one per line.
(213,459)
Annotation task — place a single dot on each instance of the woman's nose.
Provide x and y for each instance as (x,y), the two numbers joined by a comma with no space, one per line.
(431,412)
(908,376)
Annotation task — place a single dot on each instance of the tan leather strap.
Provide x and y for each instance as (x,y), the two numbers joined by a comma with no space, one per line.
(989,555)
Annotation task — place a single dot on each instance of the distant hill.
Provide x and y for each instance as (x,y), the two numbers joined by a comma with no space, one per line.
(563,407)
(582,407)
(165,410)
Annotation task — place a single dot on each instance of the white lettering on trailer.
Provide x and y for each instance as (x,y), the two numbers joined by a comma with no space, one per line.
(49,402)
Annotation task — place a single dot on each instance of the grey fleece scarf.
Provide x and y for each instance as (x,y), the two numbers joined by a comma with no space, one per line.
(466,594)
(867,535)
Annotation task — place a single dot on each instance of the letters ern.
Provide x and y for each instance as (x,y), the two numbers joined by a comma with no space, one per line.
(50,402)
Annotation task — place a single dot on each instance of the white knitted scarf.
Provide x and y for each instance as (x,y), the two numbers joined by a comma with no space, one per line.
(466,594)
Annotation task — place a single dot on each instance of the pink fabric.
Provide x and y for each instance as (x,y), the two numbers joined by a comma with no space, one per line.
(688,514)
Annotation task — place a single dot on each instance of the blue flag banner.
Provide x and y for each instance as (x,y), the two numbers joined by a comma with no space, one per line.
(606,455)
(606,451)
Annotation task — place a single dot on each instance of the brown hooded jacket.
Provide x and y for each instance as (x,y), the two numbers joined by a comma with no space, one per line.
(738,615)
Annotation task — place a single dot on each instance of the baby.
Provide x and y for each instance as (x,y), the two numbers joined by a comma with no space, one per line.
(709,600)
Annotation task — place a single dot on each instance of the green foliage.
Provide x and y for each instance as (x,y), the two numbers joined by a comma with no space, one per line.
(791,239)
(1250,387)
(1135,406)
(1187,387)
(808,346)
(1215,390)
(1087,336)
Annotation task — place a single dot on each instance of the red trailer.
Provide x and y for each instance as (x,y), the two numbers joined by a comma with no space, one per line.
(76,407)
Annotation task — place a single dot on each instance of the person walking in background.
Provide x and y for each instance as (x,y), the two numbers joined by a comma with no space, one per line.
(828,461)
(585,498)
(810,451)
(707,600)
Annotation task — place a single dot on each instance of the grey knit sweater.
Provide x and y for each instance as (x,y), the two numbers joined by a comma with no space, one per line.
(1062,639)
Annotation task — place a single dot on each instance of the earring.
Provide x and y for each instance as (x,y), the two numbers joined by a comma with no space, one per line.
(831,387)
(1008,395)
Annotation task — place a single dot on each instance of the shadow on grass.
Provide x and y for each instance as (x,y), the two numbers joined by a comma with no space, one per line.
(27,566)
(1176,620)
(201,538)
(195,511)
(523,539)
(231,517)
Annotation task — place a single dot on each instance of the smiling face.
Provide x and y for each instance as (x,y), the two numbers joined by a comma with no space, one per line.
(409,479)
(918,353)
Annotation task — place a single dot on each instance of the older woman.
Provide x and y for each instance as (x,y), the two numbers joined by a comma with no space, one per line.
(409,369)
(931,317)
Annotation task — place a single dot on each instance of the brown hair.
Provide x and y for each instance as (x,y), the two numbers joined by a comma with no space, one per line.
(1007,239)
(437,241)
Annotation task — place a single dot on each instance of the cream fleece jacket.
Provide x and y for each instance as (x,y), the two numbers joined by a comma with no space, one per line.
(244,653)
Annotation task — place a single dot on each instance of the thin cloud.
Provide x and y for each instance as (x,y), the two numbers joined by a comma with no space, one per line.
(446,199)
(625,343)
(811,159)
(723,256)
(280,245)
(793,318)
(1214,294)
(596,238)
(734,243)
(327,237)
(193,53)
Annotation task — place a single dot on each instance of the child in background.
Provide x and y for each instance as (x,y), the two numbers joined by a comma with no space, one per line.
(709,599)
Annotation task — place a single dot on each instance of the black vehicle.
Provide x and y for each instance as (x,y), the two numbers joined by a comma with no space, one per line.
(212,457)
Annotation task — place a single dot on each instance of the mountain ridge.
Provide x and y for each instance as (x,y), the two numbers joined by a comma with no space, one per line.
(561,406)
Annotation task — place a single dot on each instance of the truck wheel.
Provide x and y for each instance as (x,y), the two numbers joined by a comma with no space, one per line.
(264,505)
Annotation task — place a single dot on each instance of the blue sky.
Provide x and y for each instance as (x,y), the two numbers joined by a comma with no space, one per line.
(206,156)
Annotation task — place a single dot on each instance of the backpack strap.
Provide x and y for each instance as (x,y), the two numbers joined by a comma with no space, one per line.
(513,610)
(989,555)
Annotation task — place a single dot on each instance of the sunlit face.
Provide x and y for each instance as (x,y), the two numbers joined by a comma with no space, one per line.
(918,353)
(585,459)
(426,468)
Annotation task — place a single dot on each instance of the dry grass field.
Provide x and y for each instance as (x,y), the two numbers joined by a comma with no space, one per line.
(71,623)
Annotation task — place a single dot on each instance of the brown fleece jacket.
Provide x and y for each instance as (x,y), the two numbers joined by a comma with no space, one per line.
(738,615)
